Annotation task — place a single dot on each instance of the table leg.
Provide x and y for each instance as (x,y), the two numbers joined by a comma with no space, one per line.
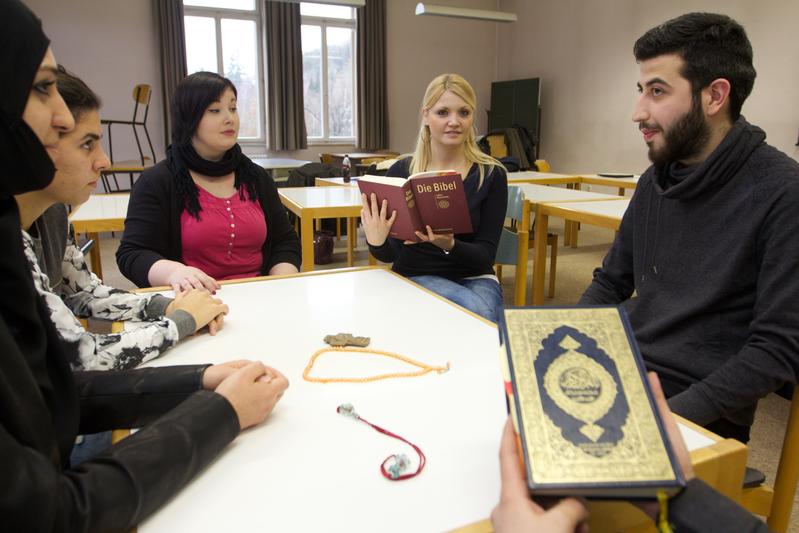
(540,256)
(351,238)
(522,252)
(306,229)
(94,255)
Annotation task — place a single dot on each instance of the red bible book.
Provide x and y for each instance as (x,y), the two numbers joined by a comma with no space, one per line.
(434,199)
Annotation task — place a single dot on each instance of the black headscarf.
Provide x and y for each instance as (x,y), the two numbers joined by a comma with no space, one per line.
(32,358)
(24,162)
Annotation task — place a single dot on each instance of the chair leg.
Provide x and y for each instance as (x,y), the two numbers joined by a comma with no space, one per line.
(499,273)
(553,262)
(152,150)
(138,143)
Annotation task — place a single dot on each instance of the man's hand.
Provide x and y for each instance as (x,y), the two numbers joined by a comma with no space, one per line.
(516,512)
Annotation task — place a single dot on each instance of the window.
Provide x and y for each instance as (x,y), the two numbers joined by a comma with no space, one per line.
(328,69)
(223,36)
(226,37)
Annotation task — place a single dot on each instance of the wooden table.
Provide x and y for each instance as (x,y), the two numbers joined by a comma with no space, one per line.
(622,183)
(336,182)
(308,469)
(606,214)
(101,212)
(316,203)
(542,178)
(535,194)
(279,166)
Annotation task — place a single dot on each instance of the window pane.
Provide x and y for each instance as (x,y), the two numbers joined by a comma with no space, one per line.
(200,44)
(312,78)
(339,81)
(247,5)
(240,60)
(326,11)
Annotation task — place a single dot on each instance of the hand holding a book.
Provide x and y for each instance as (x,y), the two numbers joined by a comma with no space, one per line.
(445,241)
(675,437)
(517,512)
(375,220)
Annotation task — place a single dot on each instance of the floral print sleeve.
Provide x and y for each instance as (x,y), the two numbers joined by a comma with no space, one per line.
(85,295)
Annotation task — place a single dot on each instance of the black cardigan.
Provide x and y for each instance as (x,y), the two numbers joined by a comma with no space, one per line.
(152,226)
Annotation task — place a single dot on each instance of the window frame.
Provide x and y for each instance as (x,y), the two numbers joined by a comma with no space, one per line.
(256,17)
(324,23)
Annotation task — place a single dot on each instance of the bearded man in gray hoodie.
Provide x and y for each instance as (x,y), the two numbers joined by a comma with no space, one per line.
(710,242)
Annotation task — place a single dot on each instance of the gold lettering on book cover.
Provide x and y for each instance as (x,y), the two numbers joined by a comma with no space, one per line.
(584,390)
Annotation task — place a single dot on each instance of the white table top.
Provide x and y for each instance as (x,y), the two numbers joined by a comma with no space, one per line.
(101,207)
(544,193)
(608,208)
(308,468)
(530,176)
(278,163)
(310,197)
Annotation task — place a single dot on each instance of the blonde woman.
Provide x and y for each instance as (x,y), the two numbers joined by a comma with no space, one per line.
(459,268)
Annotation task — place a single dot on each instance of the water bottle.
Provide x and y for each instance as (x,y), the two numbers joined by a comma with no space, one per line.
(345,168)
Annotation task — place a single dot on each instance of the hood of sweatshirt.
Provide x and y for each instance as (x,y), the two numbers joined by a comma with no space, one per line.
(728,157)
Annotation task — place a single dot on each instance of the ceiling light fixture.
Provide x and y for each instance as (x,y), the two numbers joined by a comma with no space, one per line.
(423,8)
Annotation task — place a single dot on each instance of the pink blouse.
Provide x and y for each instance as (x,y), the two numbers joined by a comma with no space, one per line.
(226,242)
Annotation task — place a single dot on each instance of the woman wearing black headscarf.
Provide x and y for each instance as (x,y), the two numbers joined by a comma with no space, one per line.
(42,404)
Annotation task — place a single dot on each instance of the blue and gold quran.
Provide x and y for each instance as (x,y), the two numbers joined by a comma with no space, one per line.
(582,407)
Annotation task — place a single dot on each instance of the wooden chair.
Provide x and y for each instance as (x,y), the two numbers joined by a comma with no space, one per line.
(776,502)
(508,247)
(496,143)
(542,165)
(326,159)
(141,101)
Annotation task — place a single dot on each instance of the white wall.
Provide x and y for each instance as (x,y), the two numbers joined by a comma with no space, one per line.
(112,45)
(582,50)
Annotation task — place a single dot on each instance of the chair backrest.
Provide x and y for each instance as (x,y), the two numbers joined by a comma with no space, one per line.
(542,165)
(787,471)
(496,141)
(141,97)
(142,93)
(508,247)
(515,203)
(326,159)
(776,502)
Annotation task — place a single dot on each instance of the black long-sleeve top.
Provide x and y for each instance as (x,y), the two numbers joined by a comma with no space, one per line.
(152,226)
(474,253)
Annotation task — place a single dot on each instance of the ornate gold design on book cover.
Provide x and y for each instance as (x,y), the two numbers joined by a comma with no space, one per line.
(586,417)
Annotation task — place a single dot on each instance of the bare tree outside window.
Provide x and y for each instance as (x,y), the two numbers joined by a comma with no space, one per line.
(328,50)
(222,37)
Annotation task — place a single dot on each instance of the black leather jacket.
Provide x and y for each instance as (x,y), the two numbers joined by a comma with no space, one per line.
(184,428)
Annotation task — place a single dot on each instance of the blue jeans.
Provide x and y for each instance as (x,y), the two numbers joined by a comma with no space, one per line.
(90,446)
(481,296)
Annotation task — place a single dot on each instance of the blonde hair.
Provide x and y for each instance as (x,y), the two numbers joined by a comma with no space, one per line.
(422,154)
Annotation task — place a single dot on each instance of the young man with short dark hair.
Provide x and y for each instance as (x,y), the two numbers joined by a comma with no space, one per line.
(710,242)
